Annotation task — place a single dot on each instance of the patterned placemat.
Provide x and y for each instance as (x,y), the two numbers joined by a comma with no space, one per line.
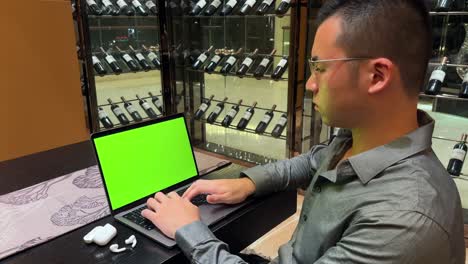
(46,210)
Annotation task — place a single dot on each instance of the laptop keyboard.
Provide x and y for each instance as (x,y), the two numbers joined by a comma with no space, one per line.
(199,199)
(136,217)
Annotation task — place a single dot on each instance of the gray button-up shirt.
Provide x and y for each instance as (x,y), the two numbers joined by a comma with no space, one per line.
(392,204)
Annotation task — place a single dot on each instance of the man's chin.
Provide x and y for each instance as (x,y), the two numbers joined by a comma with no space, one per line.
(328,122)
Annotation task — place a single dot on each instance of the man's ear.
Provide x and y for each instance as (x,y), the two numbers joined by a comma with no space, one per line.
(381,71)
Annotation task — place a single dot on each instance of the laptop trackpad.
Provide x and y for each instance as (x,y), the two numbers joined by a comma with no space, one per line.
(211,213)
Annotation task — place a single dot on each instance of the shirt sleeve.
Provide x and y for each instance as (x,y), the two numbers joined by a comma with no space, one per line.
(391,237)
(200,245)
(286,174)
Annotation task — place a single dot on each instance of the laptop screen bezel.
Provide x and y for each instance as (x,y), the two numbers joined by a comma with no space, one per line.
(135,126)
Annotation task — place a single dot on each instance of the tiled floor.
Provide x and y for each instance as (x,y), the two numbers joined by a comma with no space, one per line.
(269,243)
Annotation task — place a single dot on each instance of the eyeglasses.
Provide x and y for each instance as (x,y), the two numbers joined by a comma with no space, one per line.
(318,66)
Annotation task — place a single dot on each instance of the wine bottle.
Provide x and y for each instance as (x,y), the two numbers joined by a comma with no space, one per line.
(98,67)
(458,157)
(218,109)
(174,7)
(264,6)
(280,69)
(94,8)
(280,126)
(262,126)
(73,7)
(203,107)
(201,59)
(151,7)
(437,78)
(139,7)
(443,5)
(109,8)
(219,54)
(192,55)
(464,89)
(247,116)
(146,107)
(228,7)
(118,113)
(212,7)
(198,8)
(264,65)
(112,62)
(183,7)
(152,57)
(245,66)
(104,118)
(248,5)
(230,62)
(283,8)
(157,103)
(180,55)
(179,97)
(125,8)
(231,114)
(131,110)
(141,59)
(131,63)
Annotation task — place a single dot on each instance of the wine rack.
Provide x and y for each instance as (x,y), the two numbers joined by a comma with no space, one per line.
(248,75)
(264,32)
(134,101)
(180,38)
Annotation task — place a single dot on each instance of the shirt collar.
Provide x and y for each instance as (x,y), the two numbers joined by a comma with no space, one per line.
(370,163)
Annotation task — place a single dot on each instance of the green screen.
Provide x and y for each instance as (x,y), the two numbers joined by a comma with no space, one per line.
(142,161)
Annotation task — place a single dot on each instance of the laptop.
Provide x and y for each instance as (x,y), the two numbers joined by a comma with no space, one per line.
(141,159)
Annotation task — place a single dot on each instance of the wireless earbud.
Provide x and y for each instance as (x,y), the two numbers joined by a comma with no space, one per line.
(115,248)
(131,240)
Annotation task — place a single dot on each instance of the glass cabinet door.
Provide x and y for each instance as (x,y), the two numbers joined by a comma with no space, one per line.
(121,40)
(231,63)
(449,105)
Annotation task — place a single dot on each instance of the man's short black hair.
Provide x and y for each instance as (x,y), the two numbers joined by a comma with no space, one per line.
(399,30)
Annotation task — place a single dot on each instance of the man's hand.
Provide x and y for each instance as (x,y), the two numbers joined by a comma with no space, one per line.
(228,191)
(170,212)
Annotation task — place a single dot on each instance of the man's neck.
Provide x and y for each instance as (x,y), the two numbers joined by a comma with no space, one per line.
(380,132)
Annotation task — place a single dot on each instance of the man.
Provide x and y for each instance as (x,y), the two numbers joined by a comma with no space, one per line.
(377,193)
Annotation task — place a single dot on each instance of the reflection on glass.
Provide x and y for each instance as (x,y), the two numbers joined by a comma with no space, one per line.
(462,56)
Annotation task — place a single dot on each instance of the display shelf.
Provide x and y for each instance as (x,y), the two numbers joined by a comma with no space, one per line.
(120,16)
(233,74)
(232,16)
(256,107)
(462,176)
(102,128)
(449,65)
(123,27)
(125,72)
(131,100)
(450,13)
(246,130)
(446,139)
(235,153)
(443,96)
